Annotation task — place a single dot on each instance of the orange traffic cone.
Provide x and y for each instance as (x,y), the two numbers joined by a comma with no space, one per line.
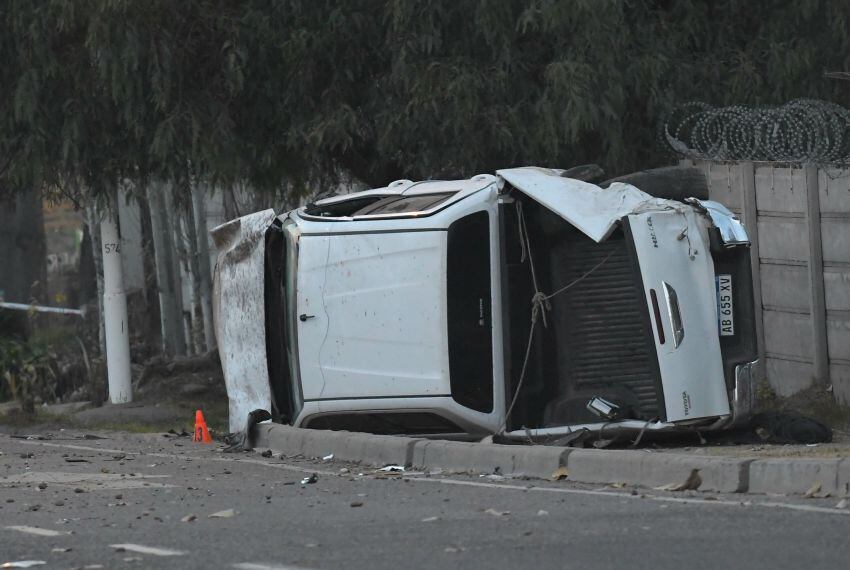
(202,433)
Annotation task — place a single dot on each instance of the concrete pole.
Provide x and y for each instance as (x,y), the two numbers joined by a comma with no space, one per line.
(820,345)
(749,213)
(115,312)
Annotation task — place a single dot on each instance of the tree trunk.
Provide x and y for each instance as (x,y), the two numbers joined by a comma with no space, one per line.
(194,271)
(23,267)
(24,248)
(173,342)
(204,273)
(152,333)
(179,266)
(93,221)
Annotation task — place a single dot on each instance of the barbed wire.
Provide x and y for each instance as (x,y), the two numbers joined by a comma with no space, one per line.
(803,130)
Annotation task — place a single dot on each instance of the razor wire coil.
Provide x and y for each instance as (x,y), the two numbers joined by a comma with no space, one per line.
(803,130)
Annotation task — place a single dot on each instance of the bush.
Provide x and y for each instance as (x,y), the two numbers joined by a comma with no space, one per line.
(27,373)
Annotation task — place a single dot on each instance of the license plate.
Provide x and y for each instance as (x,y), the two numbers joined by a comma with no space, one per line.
(725,308)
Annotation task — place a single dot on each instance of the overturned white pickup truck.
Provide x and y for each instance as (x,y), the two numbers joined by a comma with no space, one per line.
(525,304)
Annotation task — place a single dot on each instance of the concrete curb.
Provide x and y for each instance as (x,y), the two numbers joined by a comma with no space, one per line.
(363,448)
(598,466)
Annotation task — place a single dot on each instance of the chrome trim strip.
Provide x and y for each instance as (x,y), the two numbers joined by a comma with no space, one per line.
(674,314)
(743,396)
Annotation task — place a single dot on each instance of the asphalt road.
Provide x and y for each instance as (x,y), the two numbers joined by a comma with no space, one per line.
(69,501)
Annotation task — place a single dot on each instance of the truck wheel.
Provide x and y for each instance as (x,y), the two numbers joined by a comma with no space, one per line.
(669,182)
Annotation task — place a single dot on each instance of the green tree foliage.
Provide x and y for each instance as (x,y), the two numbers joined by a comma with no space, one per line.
(267,92)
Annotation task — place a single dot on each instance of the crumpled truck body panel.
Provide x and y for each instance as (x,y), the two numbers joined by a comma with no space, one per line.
(239,314)
(593,210)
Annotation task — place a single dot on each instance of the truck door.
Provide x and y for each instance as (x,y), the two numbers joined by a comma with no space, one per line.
(312,319)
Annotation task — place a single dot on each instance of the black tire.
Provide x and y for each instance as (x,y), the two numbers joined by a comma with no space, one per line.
(669,182)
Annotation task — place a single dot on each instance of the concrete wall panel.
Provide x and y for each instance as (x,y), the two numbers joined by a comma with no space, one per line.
(785,286)
(778,190)
(725,184)
(837,285)
(840,376)
(835,233)
(783,238)
(788,334)
(787,377)
(838,334)
(834,191)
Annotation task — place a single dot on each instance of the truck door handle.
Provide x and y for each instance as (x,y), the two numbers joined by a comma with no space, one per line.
(303,317)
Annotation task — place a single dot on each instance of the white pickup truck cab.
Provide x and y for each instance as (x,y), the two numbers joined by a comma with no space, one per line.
(500,304)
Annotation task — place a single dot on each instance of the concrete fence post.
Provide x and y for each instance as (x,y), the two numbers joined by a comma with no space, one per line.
(749,213)
(820,356)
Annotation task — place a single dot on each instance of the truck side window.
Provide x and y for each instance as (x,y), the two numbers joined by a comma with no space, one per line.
(470,312)
(404,204)
(342,208)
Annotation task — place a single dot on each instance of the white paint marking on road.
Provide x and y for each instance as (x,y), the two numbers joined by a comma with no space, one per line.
(621,495)
(71,446)
(149,549)
(283,466)
(499,486)
(36,530)
(261,566)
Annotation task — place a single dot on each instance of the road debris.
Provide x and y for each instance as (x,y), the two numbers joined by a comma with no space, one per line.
(493,477)
(225,514)
(310,480)
(59,550)
(76,460)
(497,513)
(240,441)
(692,483)
(266,453)
(560,474)
(542,513)
(392,469)
(182,433)
(36,530)
(814,492)
(430,519)
(189,518)
(328,457)
(842,504)
(23,564)
(356,504)
(141,549)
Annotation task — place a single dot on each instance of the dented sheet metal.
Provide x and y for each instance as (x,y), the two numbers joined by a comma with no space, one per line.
(732,232)
(239,312)
(593,210)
